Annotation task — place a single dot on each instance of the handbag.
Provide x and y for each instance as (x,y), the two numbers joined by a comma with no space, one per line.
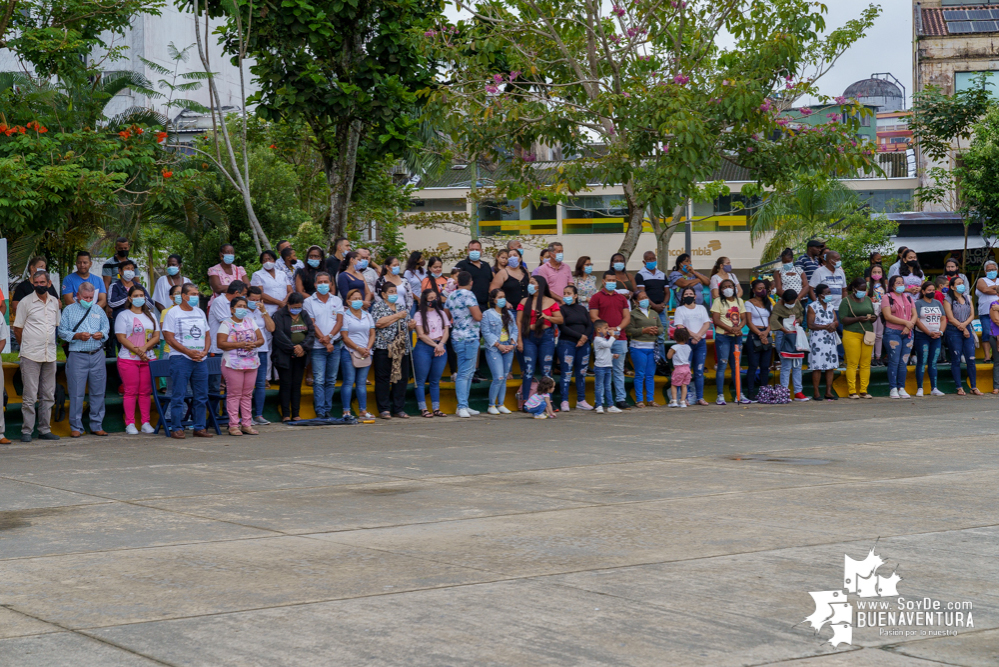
(358,361)
(869,337)
(800,339)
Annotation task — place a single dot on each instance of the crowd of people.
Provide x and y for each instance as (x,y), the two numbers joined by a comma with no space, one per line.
(338,316)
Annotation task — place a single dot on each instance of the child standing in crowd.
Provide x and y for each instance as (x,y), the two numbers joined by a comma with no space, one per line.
(784,319)
(603,366)
(679,354)
(540,403)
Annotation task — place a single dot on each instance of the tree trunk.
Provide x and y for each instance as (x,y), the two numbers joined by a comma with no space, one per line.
(340,176)
(636,217)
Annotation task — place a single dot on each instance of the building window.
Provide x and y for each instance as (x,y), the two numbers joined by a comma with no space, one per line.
(516,218)
(437,206)
(595,215)
(966,80)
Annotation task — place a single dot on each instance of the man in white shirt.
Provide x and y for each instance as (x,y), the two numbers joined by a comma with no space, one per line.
(220,311)
(185,328)
(35,330)
(326,311)
(830,272)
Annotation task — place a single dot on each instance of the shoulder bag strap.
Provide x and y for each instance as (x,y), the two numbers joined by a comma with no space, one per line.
(853,314)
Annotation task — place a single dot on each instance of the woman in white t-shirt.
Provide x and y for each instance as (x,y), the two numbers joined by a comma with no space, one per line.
(273,281)
(722,270)
(358,334)
(430,353)
(695,319)
(239,337)
(174,277)
(137,334)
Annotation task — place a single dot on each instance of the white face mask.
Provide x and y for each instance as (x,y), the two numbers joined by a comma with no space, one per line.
(269,266)
(728,292)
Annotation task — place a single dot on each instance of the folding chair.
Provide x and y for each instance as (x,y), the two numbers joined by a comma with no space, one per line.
(215,400)
(161,369)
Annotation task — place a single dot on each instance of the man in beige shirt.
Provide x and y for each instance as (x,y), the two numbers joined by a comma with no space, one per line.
(35,327)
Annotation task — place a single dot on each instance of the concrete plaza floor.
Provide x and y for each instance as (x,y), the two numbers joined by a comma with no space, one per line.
(657,537)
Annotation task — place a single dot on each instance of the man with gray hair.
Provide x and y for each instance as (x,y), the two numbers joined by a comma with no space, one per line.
(516,246)
(85,326)
(35,329)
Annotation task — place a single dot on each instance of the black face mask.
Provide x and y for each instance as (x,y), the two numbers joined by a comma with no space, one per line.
(912,263)
(41,289)
(687,300)
(122,253)
(951,272)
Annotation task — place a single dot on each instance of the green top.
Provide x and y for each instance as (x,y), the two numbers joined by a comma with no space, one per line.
(298,330)
(639,321)
(865,307)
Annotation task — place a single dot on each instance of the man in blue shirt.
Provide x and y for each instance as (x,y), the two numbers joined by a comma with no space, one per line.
(85,327)
(809,262)
(71,284)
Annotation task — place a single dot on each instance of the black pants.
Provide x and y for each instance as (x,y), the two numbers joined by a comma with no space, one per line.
(758,358)
(291,386)
(389,396)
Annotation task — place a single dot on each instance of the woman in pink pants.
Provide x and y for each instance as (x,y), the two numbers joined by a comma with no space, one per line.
(138,337)
(238,338)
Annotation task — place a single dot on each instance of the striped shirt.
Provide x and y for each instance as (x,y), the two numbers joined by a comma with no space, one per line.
(94,320)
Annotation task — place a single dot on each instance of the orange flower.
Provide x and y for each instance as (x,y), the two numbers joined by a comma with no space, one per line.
(273,146)
(124,134)
(167,174)
(19,129)
(41,128)
(138,130)
(161,136)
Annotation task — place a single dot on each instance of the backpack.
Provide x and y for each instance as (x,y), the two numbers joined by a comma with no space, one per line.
(773,395)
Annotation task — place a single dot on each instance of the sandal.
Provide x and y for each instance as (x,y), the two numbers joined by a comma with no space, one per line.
(438,413)
(639,405)
(385,415)
(401,415)
(427,413)
(364,414)
(976,391)
(866,396)
(832,397)
(960,392)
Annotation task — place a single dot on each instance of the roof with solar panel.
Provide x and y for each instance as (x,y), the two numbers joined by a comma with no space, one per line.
(944,21)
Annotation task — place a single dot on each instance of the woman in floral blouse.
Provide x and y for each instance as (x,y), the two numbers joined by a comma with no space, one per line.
(392,347)
(584,280)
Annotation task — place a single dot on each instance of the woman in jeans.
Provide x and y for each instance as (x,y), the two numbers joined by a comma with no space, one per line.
(575,335)
(391,356)
(642,330)
(899,312)
(137,336)
(238,338)
(499,331)
(959,336)
(729,314)
(430,353)
(759,347)
(931,324)
(355,357)
(539,314)
(695,319)
(294,336)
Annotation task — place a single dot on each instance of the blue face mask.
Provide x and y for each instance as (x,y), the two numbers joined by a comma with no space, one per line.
(194,300)
(559,256)
(991,275)
(899,289)
(861,293)
(362,264)
(838,264)
(314,263)
(643,303)
(177,299)
(294,311)
(241,312)
(356,304)
(86,304)
(619,266)
(501,302)
(610,285)
(228,259)
(651,266)
(474,255)
(513,262)
(323,288)
(395,270)
(138,301)
(392,298)
(961,289)
(568,300)
(531,289)
(588,269)
(252,305)
(827,298)
(436,274)
(788,268)
(173,270)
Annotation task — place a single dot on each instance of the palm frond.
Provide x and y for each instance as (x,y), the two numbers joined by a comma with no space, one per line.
(176,54)
(112,83)
(136,116)
(156,67)
(190,105)
(197,76)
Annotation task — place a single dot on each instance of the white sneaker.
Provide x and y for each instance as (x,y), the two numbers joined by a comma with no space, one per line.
(720,401)
(903,394)
(148,428)
(937,392)
(541,416)
(564,407)
(894,393)
(131,430)
(463,413)
(493,410)
(503,410)
(614,410)
(673,404)
(683,404)
(919,393)
(473,412)
(599,409)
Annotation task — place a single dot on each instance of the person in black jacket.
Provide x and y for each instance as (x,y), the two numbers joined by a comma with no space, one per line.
(575,334)
(294,337)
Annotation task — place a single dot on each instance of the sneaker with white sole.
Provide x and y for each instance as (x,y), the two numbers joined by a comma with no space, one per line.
(473,412)
(131,430)
(259,421)
(614,410)
(683,404)
(936,392)
(503,410)
(919,393)
(493,410)
(673,404)
(902,393)
(463,413)
(564,407)
(599,409)
(744,400)
(148,428)
(801,398)
(541,416)
(583,405)
(894,393)
(720,401)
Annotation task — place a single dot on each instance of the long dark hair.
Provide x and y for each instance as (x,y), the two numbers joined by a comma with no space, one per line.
(145,306)
(414,260)
(680,259)
(721,294)
(386,270)
(952,293)
(437,307)
(623,261)
(905,270)
(871,281)
(752,290)
(433,281)
(505,314)
(581,266)
(525,318)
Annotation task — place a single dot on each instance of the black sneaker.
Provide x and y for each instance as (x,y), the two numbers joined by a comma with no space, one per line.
(623,405)
(477,379)
(48,436)
(25,438)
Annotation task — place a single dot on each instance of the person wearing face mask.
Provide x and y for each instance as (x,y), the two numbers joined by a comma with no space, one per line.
(931,324)
(573,348)
(118,294)
(790,276)
(255,302)
(355,358)
(899,313)
(759,347)
(288,262)
(272,281)
(430,353)
(858,315)
(186,331)
(414,274)
(987,293)
(391,357)
(584,280)
(912,274)
(111,269)
(959,334)
(643,330)
(722,270)
(694,317)
(26,287)
(225,272)
(341,246)
(370,271)
(481,272)
(85,326)
(239,338)
(499,332)
(352,277)
(729,314)
(173,301)
(656,287)
(624,280)
(683,276)
(174,278)
(556,272)
(810,261)
(294,336)
(786,315)
(326,311)
(610,306)
(876,289)
(831,274)
(219,312)
(391,272)
(510,277)
(137,334)
(465,316)
(305,277)
(899,261)
(951,269)
(71,283)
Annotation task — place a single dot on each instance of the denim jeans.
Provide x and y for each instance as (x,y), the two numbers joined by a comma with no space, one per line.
(538,409)
(260,387)
(325,366)
(790,369)
(899,347)
(602,386)
(574,361)
(351,377)
(182,371)
(698,354)
(958,345)
(620,348)
(428,370)
(927,353)
(726,346)
(539,350)
(500,364)
(644,361)
(467,351)
(663,331)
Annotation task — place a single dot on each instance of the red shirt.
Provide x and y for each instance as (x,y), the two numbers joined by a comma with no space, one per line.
(610,308)
(534,314)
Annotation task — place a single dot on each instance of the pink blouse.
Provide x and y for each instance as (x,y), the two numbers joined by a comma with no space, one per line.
(901,307)
(238,273)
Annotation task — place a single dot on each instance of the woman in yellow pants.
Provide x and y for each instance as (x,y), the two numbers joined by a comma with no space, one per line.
(857,314)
